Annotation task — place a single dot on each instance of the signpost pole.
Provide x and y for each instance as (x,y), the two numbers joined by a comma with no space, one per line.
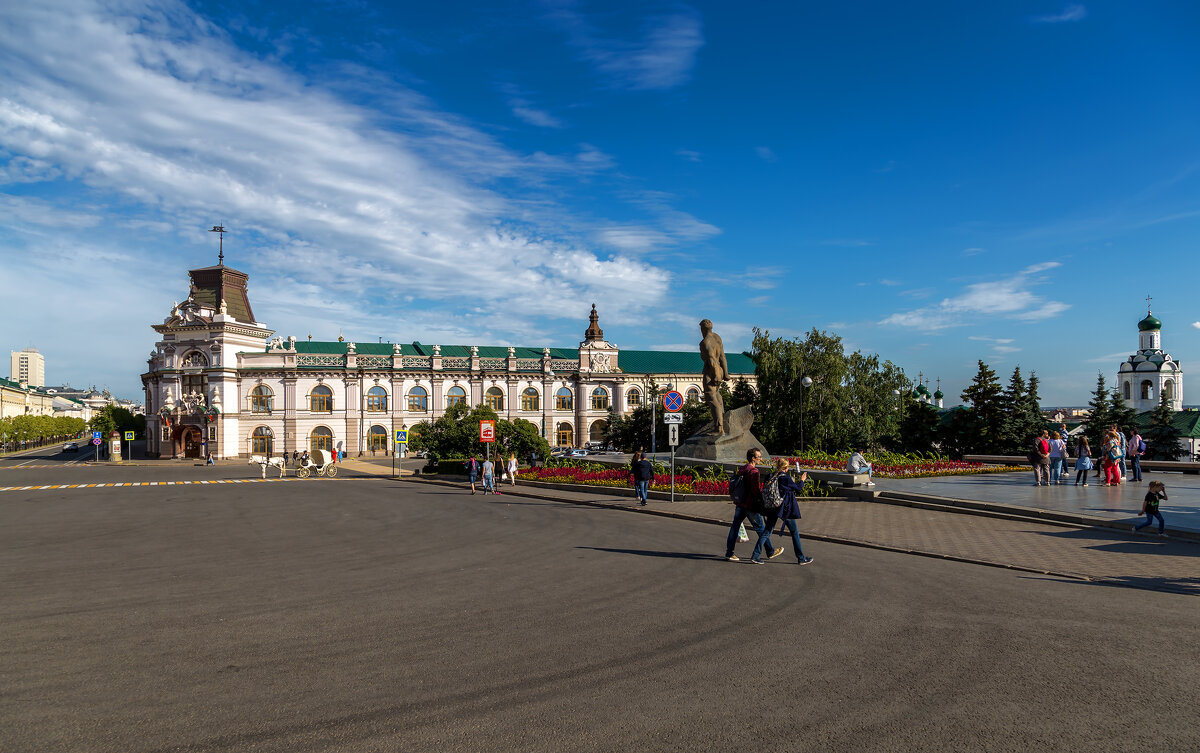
(673,471)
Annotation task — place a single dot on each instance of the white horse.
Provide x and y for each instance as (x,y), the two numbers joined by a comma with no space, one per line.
(264,461)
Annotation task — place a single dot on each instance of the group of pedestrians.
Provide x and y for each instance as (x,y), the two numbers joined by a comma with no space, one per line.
(487,470)
(762,513)
(1119,458)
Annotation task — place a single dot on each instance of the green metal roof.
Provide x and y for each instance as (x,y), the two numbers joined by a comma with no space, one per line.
(421,349)
(676,362)
(1187,421)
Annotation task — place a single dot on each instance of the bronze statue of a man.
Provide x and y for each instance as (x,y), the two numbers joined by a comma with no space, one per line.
(716,372)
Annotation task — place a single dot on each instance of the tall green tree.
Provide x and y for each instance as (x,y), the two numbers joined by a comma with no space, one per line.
(1162,436)
(1032,420)
(455,434)
(984,396)
(918,427)
(1099,417)
(1118,412)
(1013,429)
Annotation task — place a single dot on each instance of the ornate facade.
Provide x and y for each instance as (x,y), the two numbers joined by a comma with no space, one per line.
(218,381)
(1150,373)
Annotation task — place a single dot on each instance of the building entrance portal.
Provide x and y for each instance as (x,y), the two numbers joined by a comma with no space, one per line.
(187,442)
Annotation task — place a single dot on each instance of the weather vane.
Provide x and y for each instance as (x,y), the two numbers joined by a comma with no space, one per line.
(220,230)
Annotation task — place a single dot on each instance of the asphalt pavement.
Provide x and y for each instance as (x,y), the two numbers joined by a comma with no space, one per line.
(366,614)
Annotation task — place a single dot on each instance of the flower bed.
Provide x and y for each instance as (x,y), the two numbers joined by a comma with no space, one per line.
(619,477)
(904,466)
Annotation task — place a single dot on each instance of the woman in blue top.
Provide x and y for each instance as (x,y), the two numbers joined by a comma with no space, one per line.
(789,510)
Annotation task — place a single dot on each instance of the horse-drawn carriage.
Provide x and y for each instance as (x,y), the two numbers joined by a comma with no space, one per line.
(320,463)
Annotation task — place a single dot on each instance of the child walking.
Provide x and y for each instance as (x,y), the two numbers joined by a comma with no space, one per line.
(1083,460)
(1158,491)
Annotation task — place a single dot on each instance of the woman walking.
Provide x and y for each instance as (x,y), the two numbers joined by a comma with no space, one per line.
(642,473)
(512,469)
(1058,458)
(1112,453)
(1039,457)
(1083,460)
(789,510)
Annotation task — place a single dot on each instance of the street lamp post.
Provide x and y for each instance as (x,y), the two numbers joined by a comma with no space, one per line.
(805,382)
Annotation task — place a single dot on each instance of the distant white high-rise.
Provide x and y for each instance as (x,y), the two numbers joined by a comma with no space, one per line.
(28,366)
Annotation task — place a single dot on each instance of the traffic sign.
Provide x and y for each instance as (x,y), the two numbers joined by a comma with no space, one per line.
(129,436)
(672,401)
(672,418)
(673,437)
(96,435)
(401,436)
(97,440)
(487,431)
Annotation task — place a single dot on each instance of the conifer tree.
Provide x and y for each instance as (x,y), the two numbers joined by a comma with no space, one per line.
(987,410)
(1162,436)
(1099,418)
(1013,435)
(1032,419)
(1120,413)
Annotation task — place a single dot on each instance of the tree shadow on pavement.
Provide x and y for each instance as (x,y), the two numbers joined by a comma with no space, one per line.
(1128,543)
(1185,586)
(652,553)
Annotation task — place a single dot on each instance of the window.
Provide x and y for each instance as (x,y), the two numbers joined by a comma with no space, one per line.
(260,399)
(197,383)
(166,433)
(321,439)
(376,400)
(262,442)
(456,396)
(1168,389)
(530,399)
(563,400)
(494,398)
(321,399)
(599,399)
(377,439)
(598,430)
(418,400)
(634,398)
(1147,390)
(565,436)
(693,394)
(1127,390)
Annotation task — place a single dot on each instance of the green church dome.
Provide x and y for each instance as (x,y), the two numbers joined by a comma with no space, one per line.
(1149,324)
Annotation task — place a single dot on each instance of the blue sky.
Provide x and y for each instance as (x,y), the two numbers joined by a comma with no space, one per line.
(936,182)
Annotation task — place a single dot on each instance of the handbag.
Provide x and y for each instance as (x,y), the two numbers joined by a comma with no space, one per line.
(742,535)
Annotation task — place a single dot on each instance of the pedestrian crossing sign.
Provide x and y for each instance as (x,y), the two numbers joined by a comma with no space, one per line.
(401,436)
(129,436)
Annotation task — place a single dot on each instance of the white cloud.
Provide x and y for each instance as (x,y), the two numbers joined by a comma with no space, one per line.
(765,153)
(1072,12)
(889,283)
(688,154)
(1009,297)
(662,58)
(153,117)
(973,251)
(1196,325)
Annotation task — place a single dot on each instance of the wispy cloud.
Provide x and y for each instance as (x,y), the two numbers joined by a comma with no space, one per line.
(688,155)
(973,251)
(1072,12)
(662,58)
(525,110)
(846,242)
(1111,358)
(765,153)
(889,283)
(1010,297)
(146,113)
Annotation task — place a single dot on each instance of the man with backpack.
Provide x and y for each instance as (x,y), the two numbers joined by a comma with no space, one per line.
(746,492)
(1137,448)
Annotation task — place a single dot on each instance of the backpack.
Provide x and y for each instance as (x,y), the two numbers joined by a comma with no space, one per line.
(1141,445)
(772,497)
(737,489)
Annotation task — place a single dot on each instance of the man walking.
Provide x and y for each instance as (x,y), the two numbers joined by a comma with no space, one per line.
(751,508)
(1137,447)
(643,474)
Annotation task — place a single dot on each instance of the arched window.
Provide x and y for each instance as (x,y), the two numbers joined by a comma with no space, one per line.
(564,399)
(455,396)
(1168,389)
(260,399)
(599,399)
(565,436)
(418,400)
(321,439)
(494,398)
(1126,392)
(376,400)
(598,430)
(633,398)
(262,441)
(693,394)
(530,399)
(321,399)
(377,439)
(1147,390)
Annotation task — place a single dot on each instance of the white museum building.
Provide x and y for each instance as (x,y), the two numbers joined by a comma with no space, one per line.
(218,381)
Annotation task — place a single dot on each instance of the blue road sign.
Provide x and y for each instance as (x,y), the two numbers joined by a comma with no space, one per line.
(673,401)
(402,436)
(129,436)
(95,435)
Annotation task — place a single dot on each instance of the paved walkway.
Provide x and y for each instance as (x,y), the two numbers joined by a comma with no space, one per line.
(1088,553)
